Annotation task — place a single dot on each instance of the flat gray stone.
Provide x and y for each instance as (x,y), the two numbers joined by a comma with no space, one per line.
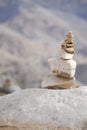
(57,82)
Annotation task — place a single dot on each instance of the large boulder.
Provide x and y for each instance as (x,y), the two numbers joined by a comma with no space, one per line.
(44,109)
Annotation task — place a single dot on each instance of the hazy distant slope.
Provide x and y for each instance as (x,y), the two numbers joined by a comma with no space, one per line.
(31,35)
(76,7)
(8,9)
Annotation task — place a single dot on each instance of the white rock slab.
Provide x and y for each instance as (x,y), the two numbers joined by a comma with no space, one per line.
(61,67)
(44,109)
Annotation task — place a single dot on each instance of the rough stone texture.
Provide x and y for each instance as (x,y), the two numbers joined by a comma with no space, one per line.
(44,109)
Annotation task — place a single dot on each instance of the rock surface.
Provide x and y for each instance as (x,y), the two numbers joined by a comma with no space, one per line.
(43,109)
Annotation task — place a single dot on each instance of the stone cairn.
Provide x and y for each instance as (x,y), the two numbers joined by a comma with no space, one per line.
(62,67)
(8,87)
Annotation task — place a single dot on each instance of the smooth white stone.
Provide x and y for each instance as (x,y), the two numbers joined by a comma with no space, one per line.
(65,55)
(65,68)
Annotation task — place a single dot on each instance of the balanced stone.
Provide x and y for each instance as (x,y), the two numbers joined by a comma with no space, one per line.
(63,67)
(56,82)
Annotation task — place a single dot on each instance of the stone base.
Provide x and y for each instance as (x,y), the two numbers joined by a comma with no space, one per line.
(44,109)
(57,82)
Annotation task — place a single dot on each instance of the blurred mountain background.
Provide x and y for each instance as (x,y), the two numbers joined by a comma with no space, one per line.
(31,31)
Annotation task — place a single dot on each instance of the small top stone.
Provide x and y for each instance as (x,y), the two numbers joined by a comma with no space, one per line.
(69,34)
(68,44)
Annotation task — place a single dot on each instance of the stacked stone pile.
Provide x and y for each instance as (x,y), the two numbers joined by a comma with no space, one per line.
(62,67)
(8,87)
